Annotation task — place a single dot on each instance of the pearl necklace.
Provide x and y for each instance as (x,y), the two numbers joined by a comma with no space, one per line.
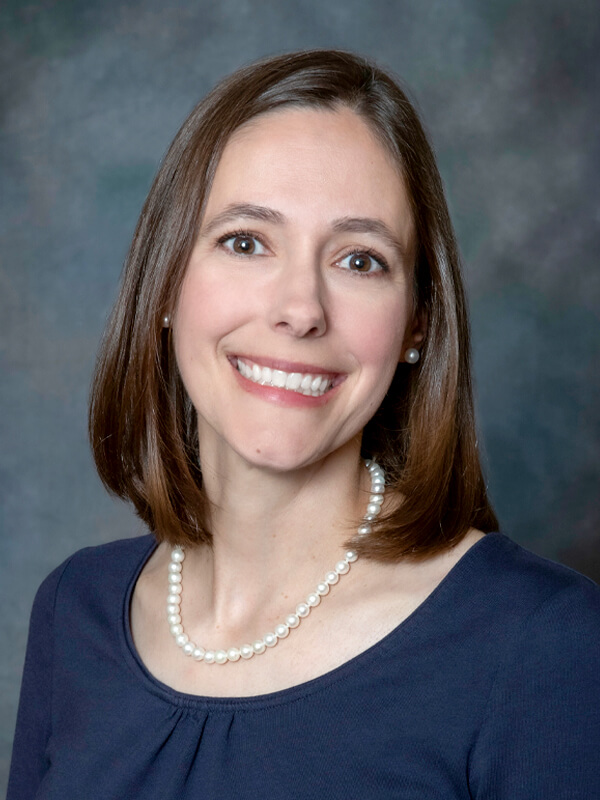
(303,609)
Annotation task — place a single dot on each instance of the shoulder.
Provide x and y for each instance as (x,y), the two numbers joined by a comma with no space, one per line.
(102,568)
(539,623)
(514,608)
(512,579)
(540,732)
(123,552)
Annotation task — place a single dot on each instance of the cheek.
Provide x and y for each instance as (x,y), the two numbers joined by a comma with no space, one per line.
(206,310)
(377,335)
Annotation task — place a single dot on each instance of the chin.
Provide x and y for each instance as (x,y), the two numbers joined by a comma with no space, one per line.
(280,454)
(278,460)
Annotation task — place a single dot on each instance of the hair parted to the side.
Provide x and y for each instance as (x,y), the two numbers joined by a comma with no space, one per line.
(143,427)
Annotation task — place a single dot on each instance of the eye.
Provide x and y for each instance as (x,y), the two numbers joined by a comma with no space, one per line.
(243,244)
(363,262)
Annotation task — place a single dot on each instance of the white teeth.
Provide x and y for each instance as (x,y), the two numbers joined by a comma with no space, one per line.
(293,381)
(309,385)
(279,378)
(245,369)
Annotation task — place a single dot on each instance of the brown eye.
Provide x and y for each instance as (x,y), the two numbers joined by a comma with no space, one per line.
(360,262)
(244,245)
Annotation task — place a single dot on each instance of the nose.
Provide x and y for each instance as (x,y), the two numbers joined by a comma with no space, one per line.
(298,302)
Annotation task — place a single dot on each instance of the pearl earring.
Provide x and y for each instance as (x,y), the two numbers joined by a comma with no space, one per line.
(166,321)
(412,355)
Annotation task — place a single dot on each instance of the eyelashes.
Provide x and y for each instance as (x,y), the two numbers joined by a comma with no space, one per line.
(242,243)
(364,261)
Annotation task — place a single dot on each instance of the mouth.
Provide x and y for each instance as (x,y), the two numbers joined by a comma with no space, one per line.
(315,384)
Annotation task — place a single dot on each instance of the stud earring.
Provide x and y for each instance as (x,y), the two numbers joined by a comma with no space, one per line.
(412,355)
(166,323)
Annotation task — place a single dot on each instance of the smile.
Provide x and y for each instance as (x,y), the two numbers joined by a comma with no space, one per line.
(298,382)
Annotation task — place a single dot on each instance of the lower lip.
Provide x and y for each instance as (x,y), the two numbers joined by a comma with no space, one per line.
(283,397)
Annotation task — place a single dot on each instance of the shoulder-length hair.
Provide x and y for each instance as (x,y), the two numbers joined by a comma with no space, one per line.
(143,428)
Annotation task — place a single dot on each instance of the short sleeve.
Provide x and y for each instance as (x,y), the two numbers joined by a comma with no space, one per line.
(34,718)
(541,734)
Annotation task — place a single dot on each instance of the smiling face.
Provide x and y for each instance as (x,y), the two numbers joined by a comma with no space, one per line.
(296,305)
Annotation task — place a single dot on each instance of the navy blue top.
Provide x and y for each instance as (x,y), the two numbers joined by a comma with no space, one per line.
(490,689)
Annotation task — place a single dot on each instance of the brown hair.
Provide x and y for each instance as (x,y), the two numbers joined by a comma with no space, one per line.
(143,427)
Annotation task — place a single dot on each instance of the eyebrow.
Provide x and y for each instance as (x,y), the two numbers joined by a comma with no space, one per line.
(343,225)
(246,211)
(370,225)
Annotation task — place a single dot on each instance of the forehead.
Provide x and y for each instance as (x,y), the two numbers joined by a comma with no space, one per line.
(316,163)
(291,122)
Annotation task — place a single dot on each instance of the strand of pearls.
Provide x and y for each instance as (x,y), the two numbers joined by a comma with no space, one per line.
(303,609)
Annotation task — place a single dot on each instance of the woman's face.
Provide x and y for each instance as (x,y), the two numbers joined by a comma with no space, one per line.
(296,305)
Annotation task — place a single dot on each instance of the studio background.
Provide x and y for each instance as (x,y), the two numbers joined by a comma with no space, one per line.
(93,92)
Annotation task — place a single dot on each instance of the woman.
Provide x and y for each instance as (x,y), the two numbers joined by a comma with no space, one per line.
(301,623)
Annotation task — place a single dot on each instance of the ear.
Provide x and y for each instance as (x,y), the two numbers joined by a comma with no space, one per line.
(415,332)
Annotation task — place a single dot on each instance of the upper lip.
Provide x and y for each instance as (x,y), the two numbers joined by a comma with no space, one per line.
(286,366)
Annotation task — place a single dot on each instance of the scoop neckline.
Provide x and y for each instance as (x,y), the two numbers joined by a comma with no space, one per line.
(291,693)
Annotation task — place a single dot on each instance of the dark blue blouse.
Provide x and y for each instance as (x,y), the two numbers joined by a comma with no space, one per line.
(490,689)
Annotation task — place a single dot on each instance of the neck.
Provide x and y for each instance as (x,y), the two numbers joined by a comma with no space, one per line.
(274,532)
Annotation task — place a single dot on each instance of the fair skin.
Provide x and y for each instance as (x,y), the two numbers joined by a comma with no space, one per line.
(303,265)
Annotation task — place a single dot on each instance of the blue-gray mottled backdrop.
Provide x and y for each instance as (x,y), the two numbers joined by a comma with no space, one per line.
(92,93)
